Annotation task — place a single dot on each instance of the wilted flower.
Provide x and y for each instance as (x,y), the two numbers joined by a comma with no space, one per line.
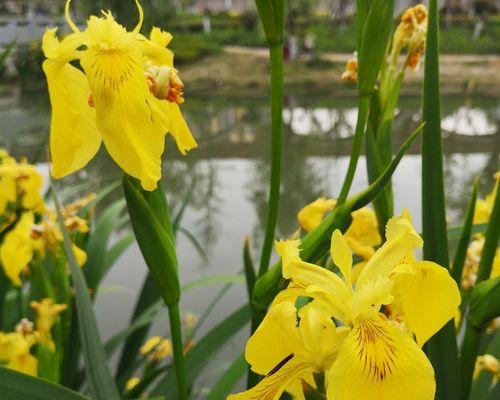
(488,363)
(127,96)
(411,33)
(351,71)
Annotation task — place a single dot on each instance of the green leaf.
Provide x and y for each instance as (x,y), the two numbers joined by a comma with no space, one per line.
(490,242)
(317,242)
(115,252)
(377,29)
(101,382)
(97,199)
(97,247)
(154,236)
(248,267)
(442,347)
(194,242)
(148,300)
(229,379)
(463,244)
(201,355)
(272,16)
(484,303)
(17,386)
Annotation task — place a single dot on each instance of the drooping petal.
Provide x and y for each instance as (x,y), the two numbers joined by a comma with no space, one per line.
(16,250)
(402,239)
(312,214)
(275,338)
(288,371)
(341,255)
(429,298)
(131,123)
(74,138)
(179,130)
(378,361)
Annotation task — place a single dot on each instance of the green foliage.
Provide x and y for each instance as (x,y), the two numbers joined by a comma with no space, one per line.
(16,386)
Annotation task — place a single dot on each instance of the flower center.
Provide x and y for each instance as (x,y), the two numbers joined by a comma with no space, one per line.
(165,84)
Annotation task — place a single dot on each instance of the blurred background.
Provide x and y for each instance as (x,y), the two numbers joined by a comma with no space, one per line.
(219,51)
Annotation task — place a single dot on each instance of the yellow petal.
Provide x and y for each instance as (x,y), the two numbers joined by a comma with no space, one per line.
(341,255)
(312,214)
(8,190)
(74,138)
(363,233)
(179,130)
(429,298)
(320,337)
(402,239)
(275,338)
(276,382)
(289,252)
(30,185)
(155,50)
(16,251)
(378,361)
(80,255)
(128,116)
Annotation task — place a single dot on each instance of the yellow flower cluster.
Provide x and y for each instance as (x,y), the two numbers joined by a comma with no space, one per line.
(156,348)
(126,94)
(364,332)
(16,347)
(482,215)
(29,227)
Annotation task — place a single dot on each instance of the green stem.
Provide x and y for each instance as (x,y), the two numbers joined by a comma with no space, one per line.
(178,347)
(363,112)
(276,64)
(468,356)
(472,337)
(442,347)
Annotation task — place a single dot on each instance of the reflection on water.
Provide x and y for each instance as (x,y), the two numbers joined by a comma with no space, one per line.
(229,174)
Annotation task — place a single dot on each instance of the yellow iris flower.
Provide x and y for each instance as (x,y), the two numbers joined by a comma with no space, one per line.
(288,347)
(362,235)
(484,206)
(47,313)
(15,352)
(378,358)
(19,183)
(127,96)
(17,248)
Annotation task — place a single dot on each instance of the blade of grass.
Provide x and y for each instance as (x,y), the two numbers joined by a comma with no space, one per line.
(101,382)
(461,251)
(200,356)
(17,386)
(472,336)
(229,379)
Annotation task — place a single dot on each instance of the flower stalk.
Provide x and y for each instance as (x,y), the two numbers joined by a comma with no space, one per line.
(442,348)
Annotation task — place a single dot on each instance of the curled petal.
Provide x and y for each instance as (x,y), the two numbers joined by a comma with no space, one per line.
(429,298)
(402,239)
(285,374)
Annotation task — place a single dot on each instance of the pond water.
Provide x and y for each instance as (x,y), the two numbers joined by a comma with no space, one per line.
(230,170)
